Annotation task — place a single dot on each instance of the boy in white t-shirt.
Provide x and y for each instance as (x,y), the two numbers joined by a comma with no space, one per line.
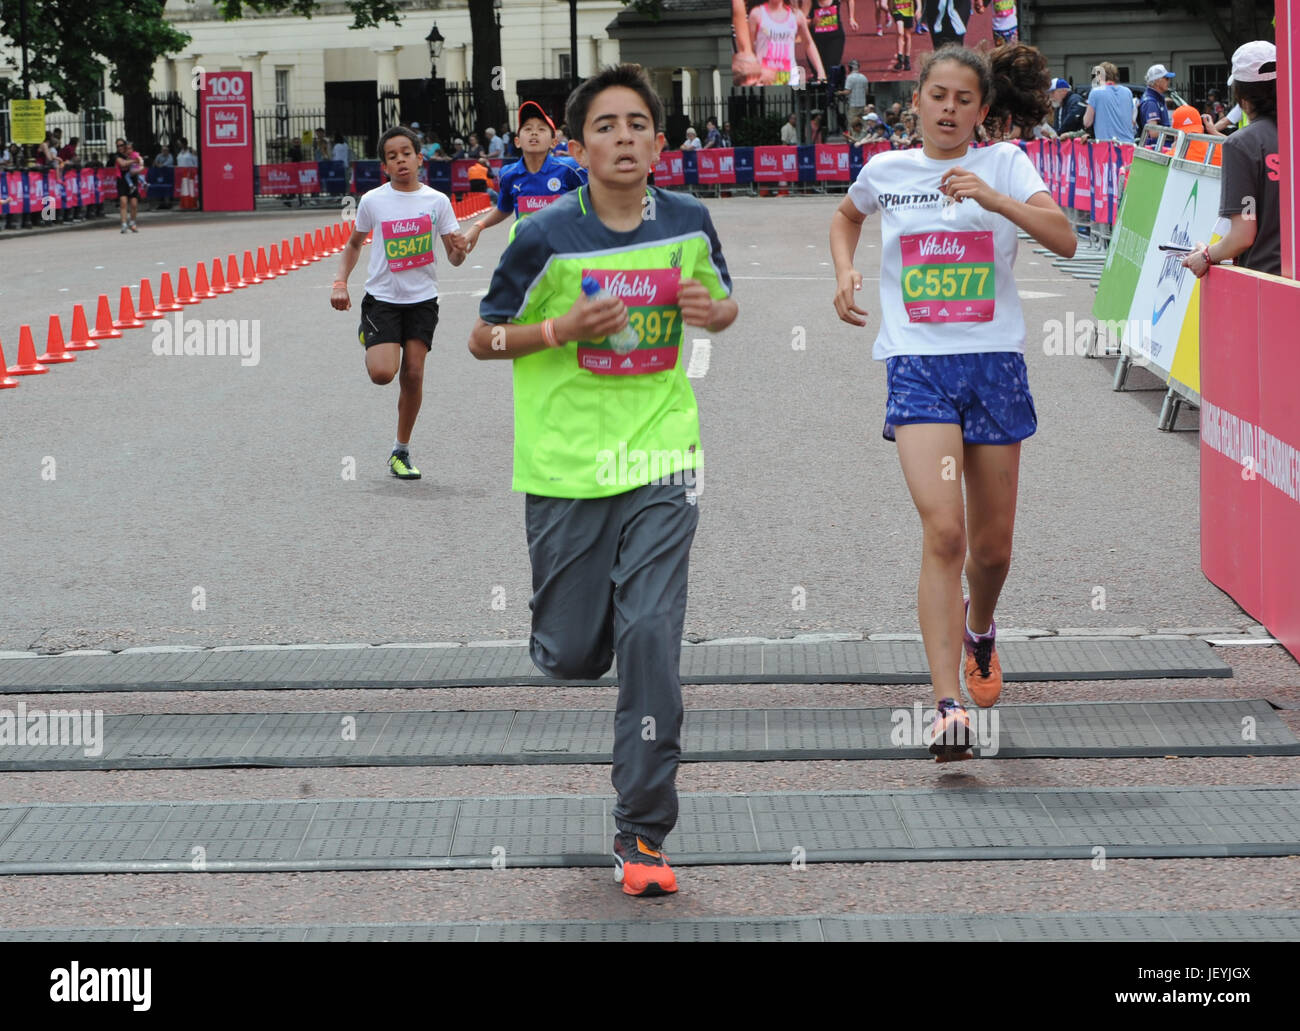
(952,335)
(400,309)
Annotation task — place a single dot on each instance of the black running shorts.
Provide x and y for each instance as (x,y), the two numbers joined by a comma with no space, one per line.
(385,323)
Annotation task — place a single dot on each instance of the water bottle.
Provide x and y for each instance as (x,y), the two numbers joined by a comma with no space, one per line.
(625,341)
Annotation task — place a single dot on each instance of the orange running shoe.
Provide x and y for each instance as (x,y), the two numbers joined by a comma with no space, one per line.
(642,870)
(950,732)
(983,671)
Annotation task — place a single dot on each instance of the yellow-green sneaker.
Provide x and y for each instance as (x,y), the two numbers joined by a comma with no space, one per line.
(400,463)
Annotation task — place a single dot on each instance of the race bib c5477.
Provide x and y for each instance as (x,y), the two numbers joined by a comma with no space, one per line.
(408,242)
(651,299)
(948,276)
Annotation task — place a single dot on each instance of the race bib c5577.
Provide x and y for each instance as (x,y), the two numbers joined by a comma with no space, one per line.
(948,276)
(408,242)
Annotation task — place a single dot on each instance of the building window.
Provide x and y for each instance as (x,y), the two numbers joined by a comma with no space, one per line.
(282,102)
(563,63)
(94,124)
(1201,78)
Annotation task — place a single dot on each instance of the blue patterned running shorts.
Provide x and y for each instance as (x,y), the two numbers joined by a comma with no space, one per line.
(986,394)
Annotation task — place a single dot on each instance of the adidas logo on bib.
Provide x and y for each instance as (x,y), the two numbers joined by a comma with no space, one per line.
(627,363)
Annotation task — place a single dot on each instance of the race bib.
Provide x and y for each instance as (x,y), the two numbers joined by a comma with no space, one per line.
(948,277)
(528,204)
(408,242)
(651,299)
(826,19)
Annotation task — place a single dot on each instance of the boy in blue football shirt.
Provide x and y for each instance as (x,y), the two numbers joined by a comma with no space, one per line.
(536,179)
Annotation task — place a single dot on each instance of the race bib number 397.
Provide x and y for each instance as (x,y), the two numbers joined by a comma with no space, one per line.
(948,277)
(408,242)
(651,299)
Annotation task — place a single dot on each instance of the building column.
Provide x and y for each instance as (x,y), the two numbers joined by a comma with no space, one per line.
(454,63)
(252,62)
(183,70)
(689,90)
(593,56)
(718,104)
(386,82)
(607,51)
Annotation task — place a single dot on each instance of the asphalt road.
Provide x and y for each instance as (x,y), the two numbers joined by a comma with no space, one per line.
(177,473)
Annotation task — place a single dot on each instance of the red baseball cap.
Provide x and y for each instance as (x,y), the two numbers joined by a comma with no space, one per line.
(531,109)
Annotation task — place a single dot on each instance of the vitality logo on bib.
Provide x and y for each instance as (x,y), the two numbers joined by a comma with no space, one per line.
(948,277)
(408,242)
(651,299)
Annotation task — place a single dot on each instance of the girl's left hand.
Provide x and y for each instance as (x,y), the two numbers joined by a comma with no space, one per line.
(959,184)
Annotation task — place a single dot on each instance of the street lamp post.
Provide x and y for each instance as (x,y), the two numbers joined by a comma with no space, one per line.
(437,93)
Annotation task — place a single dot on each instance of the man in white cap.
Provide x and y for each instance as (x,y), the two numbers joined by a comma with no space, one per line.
(1152,107)
(415,128)
(1249,196)
(496,145)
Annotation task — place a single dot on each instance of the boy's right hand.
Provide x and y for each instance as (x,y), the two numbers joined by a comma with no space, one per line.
(471,236)
(339,299)
(591,320)
(847,283)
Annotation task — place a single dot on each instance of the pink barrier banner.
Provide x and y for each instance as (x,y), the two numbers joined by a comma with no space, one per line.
(1082,176)
(89,192)
(716,165)
(1105,191)
(1250,445)
(833,161)
(668,169)
(775,164)
(460,175)
(226,131)
(14,184)
(870,150)
(286,177)
(35,192)
(107,183)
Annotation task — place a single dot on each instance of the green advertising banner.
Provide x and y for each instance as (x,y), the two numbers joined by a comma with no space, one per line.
(1131,238)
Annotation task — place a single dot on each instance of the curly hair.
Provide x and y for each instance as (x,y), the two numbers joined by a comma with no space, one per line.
(1020,84)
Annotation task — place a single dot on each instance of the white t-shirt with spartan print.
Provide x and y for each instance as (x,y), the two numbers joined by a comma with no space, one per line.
(946,283)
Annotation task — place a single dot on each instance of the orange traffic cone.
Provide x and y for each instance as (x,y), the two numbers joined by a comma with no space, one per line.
(321,247)
(233,279)
(55,349)
(273,266)
(104,329)
(202,288)
(307,252)
(5,379)
(148,310)
(27,363)
(250,273)
(263,270)
(184,292)
(166,299)
(80,339)
(287,263)
(126,318)
(219,284)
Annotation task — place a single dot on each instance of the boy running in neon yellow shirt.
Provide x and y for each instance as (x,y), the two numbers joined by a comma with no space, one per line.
(607,443)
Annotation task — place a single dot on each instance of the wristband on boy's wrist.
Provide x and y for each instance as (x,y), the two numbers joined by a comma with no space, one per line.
(340,282)
(548,333)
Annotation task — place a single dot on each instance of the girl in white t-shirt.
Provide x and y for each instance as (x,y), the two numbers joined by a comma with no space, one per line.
(775,26)
(952,335)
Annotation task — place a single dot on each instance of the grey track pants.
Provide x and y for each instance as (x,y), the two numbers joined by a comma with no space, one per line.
(609,578)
